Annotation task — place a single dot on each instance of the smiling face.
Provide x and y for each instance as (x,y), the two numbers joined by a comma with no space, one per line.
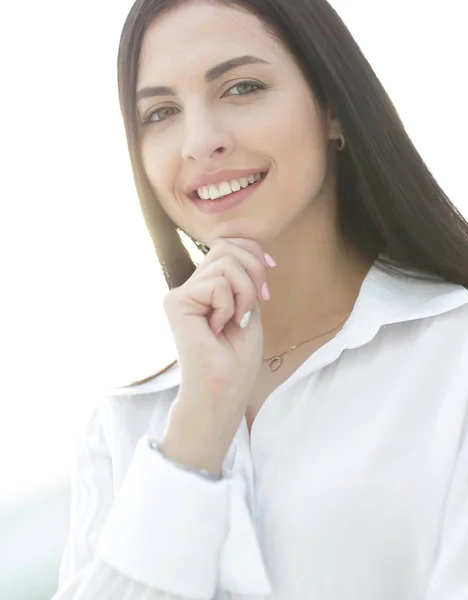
(259,115)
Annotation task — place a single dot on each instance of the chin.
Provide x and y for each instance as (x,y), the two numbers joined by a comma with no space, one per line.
(241,228)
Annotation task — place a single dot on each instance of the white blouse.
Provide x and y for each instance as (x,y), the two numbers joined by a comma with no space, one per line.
(352,486)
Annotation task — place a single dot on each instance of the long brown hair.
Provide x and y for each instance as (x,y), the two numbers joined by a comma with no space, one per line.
(390,207)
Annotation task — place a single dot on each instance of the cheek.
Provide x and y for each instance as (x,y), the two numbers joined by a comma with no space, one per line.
(152,157)
(296,132)
(302,153)
(161,169)
(159,166)
(302,161)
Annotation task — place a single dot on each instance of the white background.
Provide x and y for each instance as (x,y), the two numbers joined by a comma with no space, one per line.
(81,288)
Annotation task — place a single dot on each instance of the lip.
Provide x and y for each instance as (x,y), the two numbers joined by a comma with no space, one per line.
(219,177)
(229,201)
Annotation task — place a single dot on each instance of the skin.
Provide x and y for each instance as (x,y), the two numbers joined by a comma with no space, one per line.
(214,126)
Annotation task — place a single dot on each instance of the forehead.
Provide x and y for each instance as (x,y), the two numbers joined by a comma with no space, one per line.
(192,37)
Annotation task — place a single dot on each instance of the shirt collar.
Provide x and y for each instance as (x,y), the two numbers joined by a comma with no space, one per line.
(384,299)
(387,298)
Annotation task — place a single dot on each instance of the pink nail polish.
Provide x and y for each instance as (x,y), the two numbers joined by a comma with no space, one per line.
(269,261)
(265,291)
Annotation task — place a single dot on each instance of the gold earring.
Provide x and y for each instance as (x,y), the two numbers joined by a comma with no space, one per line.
(342,143)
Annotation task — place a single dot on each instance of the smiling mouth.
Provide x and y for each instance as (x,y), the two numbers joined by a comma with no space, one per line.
(228,201)
(195,196)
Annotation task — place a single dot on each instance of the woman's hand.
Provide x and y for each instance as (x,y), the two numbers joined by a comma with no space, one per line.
(219,348)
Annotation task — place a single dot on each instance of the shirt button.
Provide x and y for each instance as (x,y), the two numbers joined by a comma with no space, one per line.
(153,444)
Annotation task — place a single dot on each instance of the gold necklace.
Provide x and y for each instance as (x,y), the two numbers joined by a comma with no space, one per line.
(276,361)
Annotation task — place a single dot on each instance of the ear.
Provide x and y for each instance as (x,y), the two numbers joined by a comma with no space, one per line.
(333,126)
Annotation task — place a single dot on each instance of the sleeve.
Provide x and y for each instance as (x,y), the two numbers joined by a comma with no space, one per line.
(449,578)
(168,534)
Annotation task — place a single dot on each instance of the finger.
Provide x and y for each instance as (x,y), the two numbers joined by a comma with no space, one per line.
(251,246)
(243,288)
(254,266)
(222,301)
(246,243)
(212,298)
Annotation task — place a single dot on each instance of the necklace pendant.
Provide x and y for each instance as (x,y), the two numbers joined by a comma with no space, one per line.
(275,363)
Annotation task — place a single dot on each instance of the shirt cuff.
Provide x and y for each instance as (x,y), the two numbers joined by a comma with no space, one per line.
(177,532)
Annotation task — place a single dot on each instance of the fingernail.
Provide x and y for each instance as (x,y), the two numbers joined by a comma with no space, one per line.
(265,291)
(269,261)
(245,320)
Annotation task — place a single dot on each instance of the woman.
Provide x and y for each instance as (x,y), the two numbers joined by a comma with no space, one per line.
(311,440)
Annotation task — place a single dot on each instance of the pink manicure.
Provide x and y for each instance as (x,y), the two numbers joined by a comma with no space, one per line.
(265,291)
(269,261)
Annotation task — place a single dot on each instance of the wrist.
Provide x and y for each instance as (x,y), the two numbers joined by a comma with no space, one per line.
(213,475)
(194,439)
(189,453)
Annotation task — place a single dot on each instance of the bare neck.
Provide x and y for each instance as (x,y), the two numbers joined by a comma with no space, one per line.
(313,288)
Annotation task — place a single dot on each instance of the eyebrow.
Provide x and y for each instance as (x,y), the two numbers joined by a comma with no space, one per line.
(210,76)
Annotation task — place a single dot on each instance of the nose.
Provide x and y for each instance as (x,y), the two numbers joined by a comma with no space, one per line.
(205,140)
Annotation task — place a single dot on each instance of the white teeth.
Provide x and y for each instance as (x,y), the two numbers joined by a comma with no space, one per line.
(213,192)
(224,189)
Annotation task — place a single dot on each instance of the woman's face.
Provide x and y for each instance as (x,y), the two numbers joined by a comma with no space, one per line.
(256,117)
